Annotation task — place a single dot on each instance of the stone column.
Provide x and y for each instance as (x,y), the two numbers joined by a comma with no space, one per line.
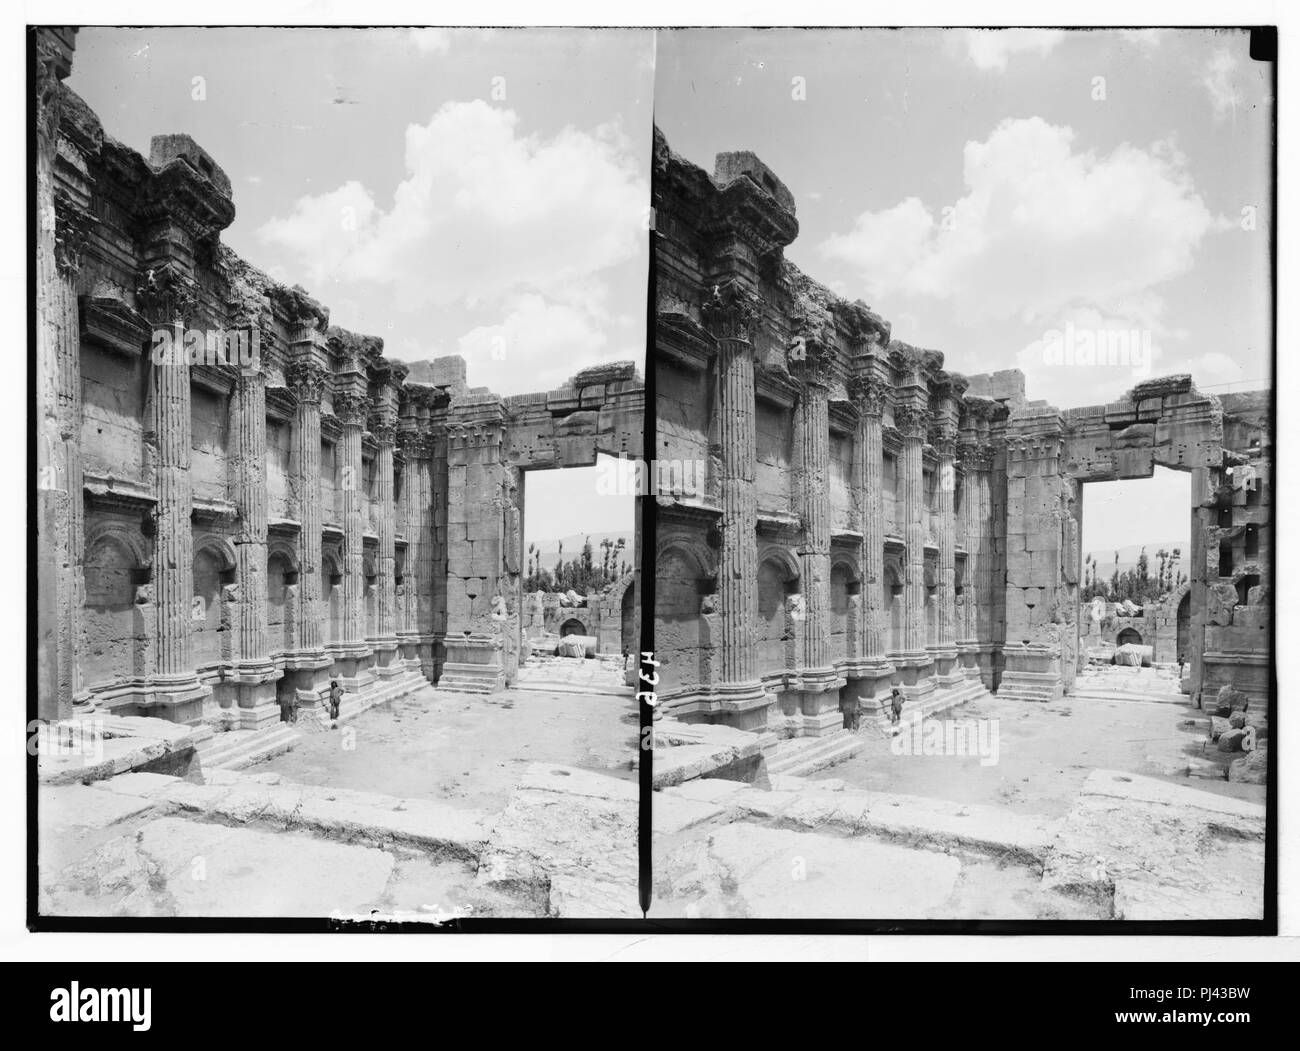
(309,663)
(819,683)
(731,315)
(350,407)
(911,418)
(166,296)
(945,651)
(410,515)
(254,674)
(62,225)
(431,569)
(384,428)
(974,497)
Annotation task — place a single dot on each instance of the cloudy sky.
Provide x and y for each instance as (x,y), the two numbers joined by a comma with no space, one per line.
(453,191)
(1010,198)
(987,189)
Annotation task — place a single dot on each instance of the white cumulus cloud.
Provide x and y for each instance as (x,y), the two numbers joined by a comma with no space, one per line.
(991,49)
(484,213)
(1041,226)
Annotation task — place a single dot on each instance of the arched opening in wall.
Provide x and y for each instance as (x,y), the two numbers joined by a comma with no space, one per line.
(111,574)
(892,587)
(1129,636)
(571,535)
(280,577)
(773,634)
(371,574)
(931,607)
(213,570)
(843,587)
(681,590)
(331,597)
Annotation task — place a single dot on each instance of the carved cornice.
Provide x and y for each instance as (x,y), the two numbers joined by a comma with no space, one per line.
(731,311)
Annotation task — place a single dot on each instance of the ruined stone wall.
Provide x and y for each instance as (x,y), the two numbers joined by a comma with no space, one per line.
(830,452)
(221,531)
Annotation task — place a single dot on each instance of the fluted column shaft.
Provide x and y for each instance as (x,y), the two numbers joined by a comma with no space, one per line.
(947,546)
(251,499)
(738,562)
(814,555)
(870,428)
(387,552)
(308,384)
(982,616)
(973,538)
(173,560)
(911,422)
(350,410)
(61,528)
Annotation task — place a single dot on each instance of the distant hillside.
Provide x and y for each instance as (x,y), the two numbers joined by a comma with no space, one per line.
(1128,557)
(550,549)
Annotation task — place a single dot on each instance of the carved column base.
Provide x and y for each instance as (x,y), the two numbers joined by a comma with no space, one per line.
(474,664)
(176,699)
(353,666)
(408,651)
(1031,673)
(947,666)
(388,657)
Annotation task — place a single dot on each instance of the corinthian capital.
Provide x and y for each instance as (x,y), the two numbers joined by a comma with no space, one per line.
(731,311)
(307,380)
(869,395)
(351,408)
(911,420)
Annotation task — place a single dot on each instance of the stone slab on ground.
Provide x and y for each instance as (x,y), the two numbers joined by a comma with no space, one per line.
(179,867)
(1155,850)
(334,812)
(124,743)
(70,810)
(745,871)
(568,841)
(671,813)
(685,751)
(916,820)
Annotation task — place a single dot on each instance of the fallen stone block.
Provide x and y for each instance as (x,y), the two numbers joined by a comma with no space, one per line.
(1252,769)
(1231,740)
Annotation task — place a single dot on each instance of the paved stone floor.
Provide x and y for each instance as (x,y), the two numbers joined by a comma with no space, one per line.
(1088,813)
(1045,751)
(468,749)
(433,806)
